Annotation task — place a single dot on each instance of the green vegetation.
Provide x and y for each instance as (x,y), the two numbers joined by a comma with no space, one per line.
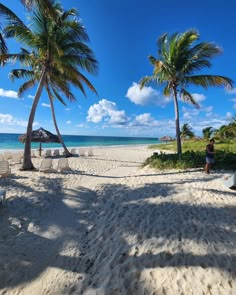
(178,61)
(193,155)
(54,53)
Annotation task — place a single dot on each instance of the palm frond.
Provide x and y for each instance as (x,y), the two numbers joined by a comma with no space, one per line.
(27,85)
(210,80)
(21,73)
(186,96)
(58,96)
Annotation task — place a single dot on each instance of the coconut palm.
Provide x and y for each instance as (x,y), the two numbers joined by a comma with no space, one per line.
(57,41)
(178,60)
(207,132)
(186,131)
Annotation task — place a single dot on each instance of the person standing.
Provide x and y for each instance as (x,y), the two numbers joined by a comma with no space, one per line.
(210,156)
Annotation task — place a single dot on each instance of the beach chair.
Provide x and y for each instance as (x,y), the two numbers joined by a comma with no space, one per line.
(33,154)
(4,168)
(230,181)
(56,153)
(81,153)
(16,158)
(46,165)
(63,165)
(90,152)
(7,155)
(73,152)
(47,153)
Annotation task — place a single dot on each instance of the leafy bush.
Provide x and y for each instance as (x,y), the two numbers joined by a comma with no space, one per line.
(191,159)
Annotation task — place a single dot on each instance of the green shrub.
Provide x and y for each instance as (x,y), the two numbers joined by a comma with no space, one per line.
(191,159)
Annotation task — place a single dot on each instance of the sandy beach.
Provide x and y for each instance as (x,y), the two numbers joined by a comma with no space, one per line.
(111,227)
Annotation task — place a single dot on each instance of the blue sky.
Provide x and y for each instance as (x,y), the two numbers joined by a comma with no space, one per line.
(122,35)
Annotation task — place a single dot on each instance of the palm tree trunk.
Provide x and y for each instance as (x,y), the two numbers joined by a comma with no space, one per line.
(68,154)
(178,138)
(27,163)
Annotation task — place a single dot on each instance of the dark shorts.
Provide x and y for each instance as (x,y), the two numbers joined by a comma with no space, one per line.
(210,160)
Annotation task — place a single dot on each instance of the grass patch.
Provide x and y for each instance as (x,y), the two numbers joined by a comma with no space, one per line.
(193,156)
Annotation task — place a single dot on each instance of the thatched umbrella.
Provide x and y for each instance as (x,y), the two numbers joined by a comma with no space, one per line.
(40,135)
(166,138)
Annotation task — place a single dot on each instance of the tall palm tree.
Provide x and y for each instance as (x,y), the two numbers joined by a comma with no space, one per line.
(207,132)
(58,39)
(186,131)
(178,60)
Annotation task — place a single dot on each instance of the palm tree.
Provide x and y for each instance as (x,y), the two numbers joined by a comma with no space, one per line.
(186,131)
(178,59)
(207,132)
(57,41)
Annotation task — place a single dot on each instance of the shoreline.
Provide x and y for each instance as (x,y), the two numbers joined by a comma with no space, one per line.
(80,147)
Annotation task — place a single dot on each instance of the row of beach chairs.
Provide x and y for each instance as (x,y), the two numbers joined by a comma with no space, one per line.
(73,151)
(46,165)
(16,157)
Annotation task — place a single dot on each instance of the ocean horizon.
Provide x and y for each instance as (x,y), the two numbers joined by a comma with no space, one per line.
(10,141)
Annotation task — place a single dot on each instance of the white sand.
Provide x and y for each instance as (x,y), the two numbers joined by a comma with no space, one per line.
(110,227)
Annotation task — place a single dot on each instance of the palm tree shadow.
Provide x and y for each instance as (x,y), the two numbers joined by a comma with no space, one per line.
(99,224)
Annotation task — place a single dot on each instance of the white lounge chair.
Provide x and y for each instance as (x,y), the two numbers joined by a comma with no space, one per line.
(63,165)
(73,151)
(7,155)
(230,181)
(16,158)
(47,153)
(4,168)
(90,152)
(81,153)
(56,153)
(33,154)
(46,165)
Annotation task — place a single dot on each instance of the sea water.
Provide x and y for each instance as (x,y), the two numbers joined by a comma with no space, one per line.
(10,141)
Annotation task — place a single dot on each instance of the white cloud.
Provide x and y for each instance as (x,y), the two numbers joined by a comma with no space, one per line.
(106,111)
(146,96)
(45,105)
(229,115)
(198,97)
(189,113)
(7,119)
(207,109)
(68,122)
(67,109)
(8,93)
(145,120)
(231,91)
(31,96)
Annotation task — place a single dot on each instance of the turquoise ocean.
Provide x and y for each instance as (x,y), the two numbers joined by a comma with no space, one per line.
(10,141)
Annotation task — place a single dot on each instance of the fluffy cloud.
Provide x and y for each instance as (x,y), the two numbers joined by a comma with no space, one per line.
(106,111)
(8,93)
(45,105)
(229,115)
(189,113)
(146,96)
(198,97)
(7,119)
(68,122)
(145,120)
(231,91)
